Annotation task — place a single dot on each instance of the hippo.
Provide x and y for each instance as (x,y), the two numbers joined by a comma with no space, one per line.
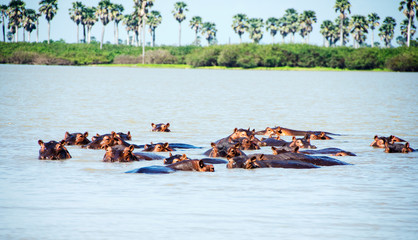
(224,150)
(302,142)
(316,160)
(331,151)
(273,141)
(260,161)
(186,165)
(53,150)
(158,147)
(238,133)
(247,143)
(398,148)
(76,138)
(161,127)
(175,158)
(320,136)
(119,153)
(289,132)
(113,139)
(379,142)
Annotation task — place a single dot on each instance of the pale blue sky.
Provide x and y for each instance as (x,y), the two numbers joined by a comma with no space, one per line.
(218,11)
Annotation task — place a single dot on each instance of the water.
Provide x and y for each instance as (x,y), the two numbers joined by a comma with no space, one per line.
(84,198)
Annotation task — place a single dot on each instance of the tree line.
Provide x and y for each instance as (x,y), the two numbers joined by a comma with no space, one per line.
(289,24)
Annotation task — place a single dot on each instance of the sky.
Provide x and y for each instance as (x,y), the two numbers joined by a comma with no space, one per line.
(219,12)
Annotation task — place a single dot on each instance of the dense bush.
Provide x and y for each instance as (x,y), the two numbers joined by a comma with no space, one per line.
(240,55)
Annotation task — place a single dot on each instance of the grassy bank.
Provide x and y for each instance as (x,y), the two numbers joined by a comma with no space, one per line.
(243,56)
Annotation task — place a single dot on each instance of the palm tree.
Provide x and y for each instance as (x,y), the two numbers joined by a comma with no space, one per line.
(345,30)
(142,8)
(178,13)
(3,12)
(326,30)
(209,29)
(196,25)
(342,6)
(292,21)
(283,28)
(373,20)
(306,19)
(240,25)
(103,13)
(38,15)
(153,21)
(404,29)
(76,14)
(272,25)
(15,11)
(387,30)
(256,29)
(409,7)
(29,23)
(49,8)
(359,26)
(89,19)
(117,16)
(129,26)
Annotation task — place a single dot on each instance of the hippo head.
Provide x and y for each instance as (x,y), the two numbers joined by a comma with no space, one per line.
(251,163)
(175,158)
(124,136)
(406,148)
(161,127)
(119,154)
(241,133)
(319,136)
(302,142)
(202,167)
(378,142)
(159,147)
(53,150)
(234,151)
(277,151)
(397,148)
(250,143)
(76,138)
(393,139)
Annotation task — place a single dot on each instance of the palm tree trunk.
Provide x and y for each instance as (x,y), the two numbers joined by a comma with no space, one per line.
(84,33)
(341,32)
(29,36)
(16,34)
(240,39)
(127,38)
(114,32)
(143,41)
(24,37)
(273,39)
(101,42)
(153,37)
(49,31)
(179,34)
(4,29)
(195,38)
(283,39)
(307,39)
(409,31)
(117,34)
(78,36)
(37,31)
(372,38)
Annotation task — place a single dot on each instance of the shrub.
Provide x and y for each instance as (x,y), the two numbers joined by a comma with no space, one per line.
(159,56)
(362,59)
(228,57)
(405,62)
(205,57)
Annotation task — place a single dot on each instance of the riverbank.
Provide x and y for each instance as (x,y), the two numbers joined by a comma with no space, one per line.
(243,56)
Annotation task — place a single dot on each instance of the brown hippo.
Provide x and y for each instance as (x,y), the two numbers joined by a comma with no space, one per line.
(330,151)
(320,136)
(247,143)
(302,142)
(158,147)
(186,165)
(317,160)
(119,153)
(53,150)
(273,141)
(175,158)
(289,132)
(379,142)
(260,161)
(112,139)
(238,133)
(224,150)
(161,127)
(398,148)
(76,138)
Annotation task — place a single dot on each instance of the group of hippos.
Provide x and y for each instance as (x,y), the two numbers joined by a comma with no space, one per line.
(284,154)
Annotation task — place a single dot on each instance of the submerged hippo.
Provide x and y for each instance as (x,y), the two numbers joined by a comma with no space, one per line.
(302,142)
(330,151)
(247,143)
(273,141)
(53,150)
(112,139)
(317,160)
(320,136)
(157,147)
(186,165)
(121,153)
(224,149)
(238,133)
(379,142)
(289,132)
(161,127)
(76,138)
(260,161)
(398,148)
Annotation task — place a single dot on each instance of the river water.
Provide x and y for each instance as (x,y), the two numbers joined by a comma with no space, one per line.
(85,198)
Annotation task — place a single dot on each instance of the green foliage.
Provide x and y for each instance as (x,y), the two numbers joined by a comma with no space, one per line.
(404,62)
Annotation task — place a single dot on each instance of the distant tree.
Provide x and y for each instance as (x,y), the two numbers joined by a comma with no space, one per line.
(3,12)
(240,25)
(373,20)
(127,21)
(209,30)
(178,13)
(387,30)
(404,29)
(342,6)
(116,11)
(89,19)
(153,21)
(283,28)
(103,13)
(359,26)
(15,11)
(29,22)
(256,29)
(306,19)
(326,30)
(345,30)
(409,8)
(196,25)
(76,14)
(292,20)
(272,25)
(49,8)
(400,40)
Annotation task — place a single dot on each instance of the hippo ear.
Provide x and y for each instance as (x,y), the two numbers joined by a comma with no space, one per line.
(296,150)
(146,146)
(97,135)
(229,158)
(237,145)
(153,125)
(253,158)
(41,143)
(293,138)
(62,142)
(131,148)
(86,134)
(113,134)
(213,145)
(183,156)
(171,154)
(66,134)
(107,148)
(166,145)
(262,157)
(407,145)
(129,134)
(375,137)
(274,149)
(201,164)
(168,124)
(235,130)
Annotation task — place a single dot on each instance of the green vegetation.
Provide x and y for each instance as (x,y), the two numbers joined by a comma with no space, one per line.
(276,56)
